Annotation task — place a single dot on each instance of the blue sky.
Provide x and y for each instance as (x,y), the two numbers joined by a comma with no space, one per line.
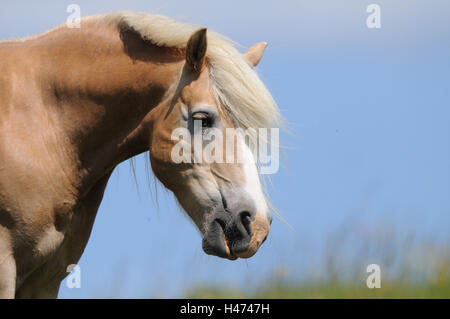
(368,148)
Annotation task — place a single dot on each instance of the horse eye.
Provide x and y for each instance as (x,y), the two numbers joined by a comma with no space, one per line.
(204,117)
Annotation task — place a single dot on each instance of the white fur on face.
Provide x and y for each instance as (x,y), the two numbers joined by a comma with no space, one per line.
(252,182)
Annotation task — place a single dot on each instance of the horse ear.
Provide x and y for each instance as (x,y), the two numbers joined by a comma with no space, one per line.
(196,51)
(255,53)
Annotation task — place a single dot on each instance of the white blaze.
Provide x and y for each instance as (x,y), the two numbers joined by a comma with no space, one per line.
(253,184)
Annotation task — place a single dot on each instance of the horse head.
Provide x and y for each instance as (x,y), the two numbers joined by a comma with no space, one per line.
(224,198)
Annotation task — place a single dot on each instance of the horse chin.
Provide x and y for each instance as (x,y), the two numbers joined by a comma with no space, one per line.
(226,254)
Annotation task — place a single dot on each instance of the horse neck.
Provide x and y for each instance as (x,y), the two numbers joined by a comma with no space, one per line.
(102,84)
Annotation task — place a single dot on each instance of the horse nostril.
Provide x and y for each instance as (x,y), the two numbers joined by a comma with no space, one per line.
(221,223)
(246,220)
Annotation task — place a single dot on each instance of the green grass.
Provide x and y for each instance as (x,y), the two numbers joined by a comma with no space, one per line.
(406,285)
(328,290)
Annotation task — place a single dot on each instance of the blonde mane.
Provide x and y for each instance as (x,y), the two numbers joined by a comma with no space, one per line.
(237,86)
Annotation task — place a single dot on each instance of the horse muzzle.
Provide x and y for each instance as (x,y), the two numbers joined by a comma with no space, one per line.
(235,235)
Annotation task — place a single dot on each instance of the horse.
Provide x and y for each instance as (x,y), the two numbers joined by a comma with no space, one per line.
(76,102)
